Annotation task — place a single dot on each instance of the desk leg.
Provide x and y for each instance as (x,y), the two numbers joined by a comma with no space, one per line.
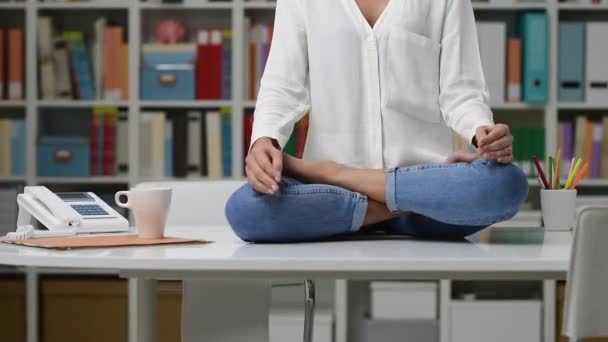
(225,310)
(143,310)
(31,304)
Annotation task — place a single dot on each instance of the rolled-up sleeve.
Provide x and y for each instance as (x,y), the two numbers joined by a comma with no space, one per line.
(463,91)
(284,98)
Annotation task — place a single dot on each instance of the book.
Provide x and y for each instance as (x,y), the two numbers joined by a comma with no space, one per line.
(123,66)
(99,56)
(18,147)
(2,77)
(604,172)
(109,142)
(226,113)
(112,59)
(145,148)
(195,144)
(247,130)
(579,137)
(567,146)
(15,64)
(213,124)
(46,49)
(63,83)
(122,144)
(588,145)
(97,136)
(158,144)
(246,58)
(5,148)
(301,131)
(492,49)
(209,65)
(169,148)
(514,70)
(596,150)
(227,65)
(180,146)
(80,66)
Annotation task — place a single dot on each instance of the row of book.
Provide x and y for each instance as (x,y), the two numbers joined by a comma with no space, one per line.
(295,144)
(192,145)
(588,138)
(12,147)
(529,142)
(583,76)
(73,66)
(200,71)
(256,51)
(11,64)
(515,68)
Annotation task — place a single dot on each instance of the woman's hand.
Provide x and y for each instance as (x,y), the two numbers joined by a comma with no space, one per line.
(264,164)
(495,143)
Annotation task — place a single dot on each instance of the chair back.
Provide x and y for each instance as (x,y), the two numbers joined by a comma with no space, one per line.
(586,308)
(197,202)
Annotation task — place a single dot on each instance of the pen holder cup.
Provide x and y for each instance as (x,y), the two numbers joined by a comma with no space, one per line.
(558,208)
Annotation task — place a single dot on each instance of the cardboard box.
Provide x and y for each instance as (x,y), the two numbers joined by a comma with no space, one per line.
(12,315)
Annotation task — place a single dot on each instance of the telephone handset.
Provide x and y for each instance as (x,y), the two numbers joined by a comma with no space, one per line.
(64,214)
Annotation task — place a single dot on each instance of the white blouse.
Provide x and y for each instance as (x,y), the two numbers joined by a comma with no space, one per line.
(378,97)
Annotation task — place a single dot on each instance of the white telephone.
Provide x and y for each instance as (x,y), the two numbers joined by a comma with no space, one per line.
(64,214)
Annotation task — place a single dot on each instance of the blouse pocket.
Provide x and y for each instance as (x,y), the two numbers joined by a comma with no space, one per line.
(413,75)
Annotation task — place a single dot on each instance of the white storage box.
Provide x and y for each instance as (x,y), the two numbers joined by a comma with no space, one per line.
(403,300)
(496,321)
(287,325)
(390,330)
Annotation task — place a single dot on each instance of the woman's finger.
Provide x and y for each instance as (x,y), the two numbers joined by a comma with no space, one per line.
(497,154)
(277,164)
(499,144)
(269,185)
(495,133)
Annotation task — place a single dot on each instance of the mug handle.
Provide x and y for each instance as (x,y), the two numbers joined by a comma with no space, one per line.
(126,204)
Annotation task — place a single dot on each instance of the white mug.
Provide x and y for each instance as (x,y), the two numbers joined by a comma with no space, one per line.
(558,208)
(150,208)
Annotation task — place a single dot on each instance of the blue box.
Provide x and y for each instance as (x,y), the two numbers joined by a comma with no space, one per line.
(168,75)
(535,32)
(572,62)
(64,157)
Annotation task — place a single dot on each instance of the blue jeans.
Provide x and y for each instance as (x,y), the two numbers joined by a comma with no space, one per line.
(449,201)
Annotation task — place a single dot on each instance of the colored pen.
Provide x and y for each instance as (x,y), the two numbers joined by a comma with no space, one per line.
(570,170)
(558,163)
(550,172)
(579,177)
(540,172)
(577,166)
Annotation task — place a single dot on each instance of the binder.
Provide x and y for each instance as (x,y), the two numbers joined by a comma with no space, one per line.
(18,142)
(2,77)
(214,144)
(597,55)
(534,29)
(209,65)
(122,144)
(15,64)
(112,59)
(514,70)
(492,48)
(572,62)
(194,143)
(46,49)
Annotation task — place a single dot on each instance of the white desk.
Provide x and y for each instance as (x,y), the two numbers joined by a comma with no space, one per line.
(248,269)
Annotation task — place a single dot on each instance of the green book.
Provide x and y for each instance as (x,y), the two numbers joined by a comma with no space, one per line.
(290,147)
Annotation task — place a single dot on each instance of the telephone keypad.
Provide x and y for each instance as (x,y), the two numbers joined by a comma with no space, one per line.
(89,210)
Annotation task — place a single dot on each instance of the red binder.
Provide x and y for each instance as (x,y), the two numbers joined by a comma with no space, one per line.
(247,128)
(109,143)
(209,65)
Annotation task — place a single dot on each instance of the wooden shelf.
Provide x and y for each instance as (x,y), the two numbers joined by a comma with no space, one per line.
(260,5)
(509,5)
(12,5)
(588,183)
(516,106)
(582,7)
(582,105)
(120,5)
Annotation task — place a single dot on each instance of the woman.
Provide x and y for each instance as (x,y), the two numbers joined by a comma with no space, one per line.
(384,80)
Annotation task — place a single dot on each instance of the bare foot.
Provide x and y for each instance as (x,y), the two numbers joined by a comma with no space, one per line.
(310,171)
(462,156)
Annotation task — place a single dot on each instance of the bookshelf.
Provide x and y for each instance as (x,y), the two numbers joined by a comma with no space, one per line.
(138,17)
